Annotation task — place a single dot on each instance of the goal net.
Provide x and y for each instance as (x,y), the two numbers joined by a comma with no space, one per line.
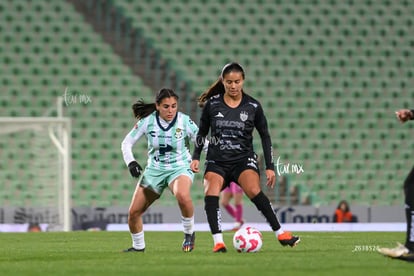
(35,154)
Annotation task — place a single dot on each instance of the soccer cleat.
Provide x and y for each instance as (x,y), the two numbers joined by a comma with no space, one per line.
(287,239)
(131,249)
(188,243)
(237,225)
(220,247)
(395,252)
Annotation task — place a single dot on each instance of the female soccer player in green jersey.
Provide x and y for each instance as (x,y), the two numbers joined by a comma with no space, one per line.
(168,133)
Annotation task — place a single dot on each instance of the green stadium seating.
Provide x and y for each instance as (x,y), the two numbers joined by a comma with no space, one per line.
(49,47)
(329,76)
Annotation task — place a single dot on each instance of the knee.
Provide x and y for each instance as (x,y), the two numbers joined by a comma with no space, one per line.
(252,192)
(251,189)
(134,213)
(183,198)
(224,201)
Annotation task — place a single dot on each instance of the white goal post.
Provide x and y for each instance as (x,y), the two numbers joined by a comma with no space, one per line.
(36,169)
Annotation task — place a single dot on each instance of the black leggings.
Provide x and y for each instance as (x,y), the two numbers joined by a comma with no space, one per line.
(409,210)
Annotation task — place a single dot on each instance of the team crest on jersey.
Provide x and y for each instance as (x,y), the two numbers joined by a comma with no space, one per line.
(244,115)
(178,133)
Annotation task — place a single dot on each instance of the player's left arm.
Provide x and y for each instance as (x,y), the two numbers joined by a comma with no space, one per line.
(262,127)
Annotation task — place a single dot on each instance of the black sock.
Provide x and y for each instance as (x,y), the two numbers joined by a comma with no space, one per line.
(263,205)
(409,243)
(211,206)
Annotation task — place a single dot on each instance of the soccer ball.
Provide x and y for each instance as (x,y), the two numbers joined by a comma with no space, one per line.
(247,239)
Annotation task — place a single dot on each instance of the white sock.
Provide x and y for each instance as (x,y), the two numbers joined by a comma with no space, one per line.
(279,232)
(188,224)
(138,241)
(218,238)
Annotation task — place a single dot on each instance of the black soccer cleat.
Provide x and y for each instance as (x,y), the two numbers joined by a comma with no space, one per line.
(188,243)
(131,249)
(287,239)
(408,257)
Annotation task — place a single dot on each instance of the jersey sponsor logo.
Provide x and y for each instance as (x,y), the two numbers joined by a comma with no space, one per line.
(219,115)
(155,134)
(165,160)
(165,148)
(178,133)
(244,115)
(228,145)
(226,123)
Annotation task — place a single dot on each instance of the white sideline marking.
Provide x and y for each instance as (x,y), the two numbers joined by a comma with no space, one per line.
(299,227)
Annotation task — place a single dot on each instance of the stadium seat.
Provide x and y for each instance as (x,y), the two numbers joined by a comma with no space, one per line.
(36,70)
(315,68)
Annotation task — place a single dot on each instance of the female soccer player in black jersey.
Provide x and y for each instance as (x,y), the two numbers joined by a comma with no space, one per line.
(231,115)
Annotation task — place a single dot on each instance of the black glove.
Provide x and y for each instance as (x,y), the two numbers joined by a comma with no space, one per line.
(135,169)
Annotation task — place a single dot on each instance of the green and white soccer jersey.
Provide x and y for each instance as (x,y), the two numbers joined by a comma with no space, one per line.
(168,144)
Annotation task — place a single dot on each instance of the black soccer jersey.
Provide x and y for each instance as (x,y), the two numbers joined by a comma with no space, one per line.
(231,137)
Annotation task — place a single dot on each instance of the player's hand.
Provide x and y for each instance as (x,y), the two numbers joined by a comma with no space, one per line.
(135,169)
(404,115)
(194,166)
(271,178)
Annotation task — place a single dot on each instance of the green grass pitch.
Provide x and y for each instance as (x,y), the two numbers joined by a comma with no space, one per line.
(99,253)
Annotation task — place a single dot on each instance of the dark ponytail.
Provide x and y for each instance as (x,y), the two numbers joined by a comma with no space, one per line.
(217,87)
(142,110)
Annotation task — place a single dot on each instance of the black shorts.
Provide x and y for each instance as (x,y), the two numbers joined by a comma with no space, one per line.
(409,189)
(230,171)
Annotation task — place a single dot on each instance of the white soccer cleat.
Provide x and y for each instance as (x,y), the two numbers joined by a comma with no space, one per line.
(394,252)
(237,225)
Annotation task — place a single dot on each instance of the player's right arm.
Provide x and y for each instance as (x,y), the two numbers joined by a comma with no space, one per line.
(126,146)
